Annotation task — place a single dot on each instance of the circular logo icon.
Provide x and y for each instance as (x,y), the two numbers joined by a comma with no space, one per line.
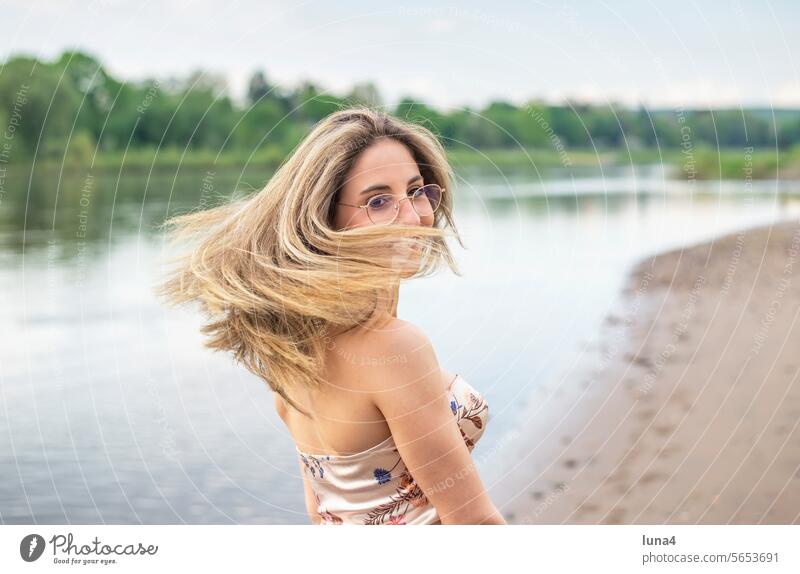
(31,547)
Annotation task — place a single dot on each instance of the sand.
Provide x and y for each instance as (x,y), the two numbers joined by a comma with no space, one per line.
(688,412)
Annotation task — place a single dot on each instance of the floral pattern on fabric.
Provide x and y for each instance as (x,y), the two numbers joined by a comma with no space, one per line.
(406,496)
(327,517)
(382,475)
(376,487)
(314,464)
(474,411)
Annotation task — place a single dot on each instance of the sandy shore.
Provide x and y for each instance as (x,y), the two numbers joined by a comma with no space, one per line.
(689,410)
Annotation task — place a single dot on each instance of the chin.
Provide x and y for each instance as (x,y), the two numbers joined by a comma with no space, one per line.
(408,264)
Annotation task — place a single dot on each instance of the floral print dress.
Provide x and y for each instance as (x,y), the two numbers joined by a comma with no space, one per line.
(374,486)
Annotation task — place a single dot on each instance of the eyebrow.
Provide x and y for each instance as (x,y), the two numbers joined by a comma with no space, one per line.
(384,186)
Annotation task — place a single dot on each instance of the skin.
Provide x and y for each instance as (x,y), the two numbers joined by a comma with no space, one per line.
(383,378)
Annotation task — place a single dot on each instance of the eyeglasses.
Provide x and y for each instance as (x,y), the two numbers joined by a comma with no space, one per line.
(383,209)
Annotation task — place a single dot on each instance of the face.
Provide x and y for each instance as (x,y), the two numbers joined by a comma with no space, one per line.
(385,167)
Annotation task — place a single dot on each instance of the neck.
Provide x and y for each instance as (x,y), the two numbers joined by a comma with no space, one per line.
(385,308)
(387,301)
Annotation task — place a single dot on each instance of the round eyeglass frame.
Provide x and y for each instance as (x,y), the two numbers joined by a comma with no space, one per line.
(396,205)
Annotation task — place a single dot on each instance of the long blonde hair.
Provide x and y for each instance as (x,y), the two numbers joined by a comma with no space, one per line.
(273,276)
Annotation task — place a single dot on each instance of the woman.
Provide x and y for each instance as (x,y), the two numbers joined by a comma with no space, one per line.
(301,283)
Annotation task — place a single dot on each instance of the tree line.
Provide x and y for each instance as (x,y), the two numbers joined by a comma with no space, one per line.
(74,105)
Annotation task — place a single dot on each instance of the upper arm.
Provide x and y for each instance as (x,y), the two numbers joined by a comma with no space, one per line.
(413,399)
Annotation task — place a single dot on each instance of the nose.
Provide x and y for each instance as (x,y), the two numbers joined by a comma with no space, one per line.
(407,214)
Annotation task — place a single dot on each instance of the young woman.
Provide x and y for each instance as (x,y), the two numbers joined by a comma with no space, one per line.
(301,283)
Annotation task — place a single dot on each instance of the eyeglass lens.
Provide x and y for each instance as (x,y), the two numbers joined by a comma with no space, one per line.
(425,200)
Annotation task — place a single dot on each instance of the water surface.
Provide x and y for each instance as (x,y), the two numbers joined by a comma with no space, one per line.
(113,412)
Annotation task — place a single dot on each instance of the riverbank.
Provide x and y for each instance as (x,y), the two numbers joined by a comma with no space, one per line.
(689,410)
(701,163)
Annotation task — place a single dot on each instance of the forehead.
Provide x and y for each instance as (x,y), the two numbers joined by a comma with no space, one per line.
(385,161)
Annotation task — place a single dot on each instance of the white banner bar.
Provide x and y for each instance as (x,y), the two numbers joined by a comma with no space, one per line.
(239,549)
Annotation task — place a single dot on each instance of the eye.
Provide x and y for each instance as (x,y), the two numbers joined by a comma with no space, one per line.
(416,192)
(379,202)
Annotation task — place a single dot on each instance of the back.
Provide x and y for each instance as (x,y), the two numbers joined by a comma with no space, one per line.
(345,418)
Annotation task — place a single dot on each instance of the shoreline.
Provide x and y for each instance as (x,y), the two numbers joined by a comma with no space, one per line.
(708,163)
(688,409)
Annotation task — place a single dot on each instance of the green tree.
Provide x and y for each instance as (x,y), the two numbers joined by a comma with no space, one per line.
(39,102)
(95,87)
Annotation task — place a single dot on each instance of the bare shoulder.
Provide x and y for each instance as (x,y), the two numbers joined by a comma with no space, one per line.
(385,355)
(398,346)
(408,376)
(396,335)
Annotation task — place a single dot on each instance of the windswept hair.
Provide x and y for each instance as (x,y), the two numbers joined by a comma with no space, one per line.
(272,275)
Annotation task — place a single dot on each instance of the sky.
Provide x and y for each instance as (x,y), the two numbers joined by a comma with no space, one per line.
(448,55)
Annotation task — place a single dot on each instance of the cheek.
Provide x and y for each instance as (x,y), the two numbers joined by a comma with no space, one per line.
(347,218)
